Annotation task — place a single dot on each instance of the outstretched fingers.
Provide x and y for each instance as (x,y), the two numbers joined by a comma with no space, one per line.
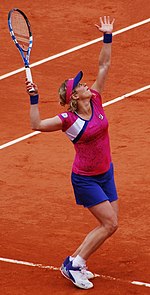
(106,24)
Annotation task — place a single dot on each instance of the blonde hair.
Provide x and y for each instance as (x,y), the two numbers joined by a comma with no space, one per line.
(73,104)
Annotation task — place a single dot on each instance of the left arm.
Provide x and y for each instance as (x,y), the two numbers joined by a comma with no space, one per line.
(105,55)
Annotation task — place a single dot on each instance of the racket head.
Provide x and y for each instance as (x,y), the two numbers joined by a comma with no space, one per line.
(20,31)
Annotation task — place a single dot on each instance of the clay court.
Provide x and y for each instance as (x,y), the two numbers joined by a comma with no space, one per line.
(40,223)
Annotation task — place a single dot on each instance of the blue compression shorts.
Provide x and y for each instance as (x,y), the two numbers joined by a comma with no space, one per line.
(92,190)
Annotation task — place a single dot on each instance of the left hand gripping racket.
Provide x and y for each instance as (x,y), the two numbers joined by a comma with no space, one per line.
(20,31)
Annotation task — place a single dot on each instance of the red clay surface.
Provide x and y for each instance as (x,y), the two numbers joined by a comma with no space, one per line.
(40,222)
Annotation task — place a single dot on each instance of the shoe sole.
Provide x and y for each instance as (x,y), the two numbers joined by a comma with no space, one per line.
(68,278)
(88,277)
(61,270)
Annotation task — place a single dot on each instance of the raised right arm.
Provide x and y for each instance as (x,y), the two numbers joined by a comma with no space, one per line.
(46,125)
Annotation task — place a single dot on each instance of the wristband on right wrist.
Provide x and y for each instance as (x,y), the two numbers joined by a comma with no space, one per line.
(34,99)
(107,38)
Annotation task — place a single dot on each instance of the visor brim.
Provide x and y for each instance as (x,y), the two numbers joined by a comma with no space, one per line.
(77,79)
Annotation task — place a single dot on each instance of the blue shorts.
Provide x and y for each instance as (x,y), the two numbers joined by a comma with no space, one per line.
(92,190)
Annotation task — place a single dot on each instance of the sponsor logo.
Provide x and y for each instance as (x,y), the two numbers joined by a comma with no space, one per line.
(101,116)
(64,115)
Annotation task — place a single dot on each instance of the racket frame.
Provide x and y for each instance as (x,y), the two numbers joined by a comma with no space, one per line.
(24,56)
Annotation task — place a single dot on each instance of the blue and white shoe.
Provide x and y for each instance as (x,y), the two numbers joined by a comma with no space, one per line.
(77,275)
(88,273)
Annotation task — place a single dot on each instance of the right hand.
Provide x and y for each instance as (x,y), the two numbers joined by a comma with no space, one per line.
(29,86)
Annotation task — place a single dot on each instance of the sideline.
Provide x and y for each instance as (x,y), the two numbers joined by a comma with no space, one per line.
(104,105)
(74,49)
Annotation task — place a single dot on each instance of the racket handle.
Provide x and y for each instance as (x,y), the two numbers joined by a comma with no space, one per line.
(29,77)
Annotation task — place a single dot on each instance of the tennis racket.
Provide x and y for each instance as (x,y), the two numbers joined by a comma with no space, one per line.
(20,31)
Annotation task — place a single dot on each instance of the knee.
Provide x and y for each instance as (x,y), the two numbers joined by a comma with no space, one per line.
(114,226)
(111,226)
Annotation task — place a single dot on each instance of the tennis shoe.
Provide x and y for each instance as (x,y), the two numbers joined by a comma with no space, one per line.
(77,276)
(88,273)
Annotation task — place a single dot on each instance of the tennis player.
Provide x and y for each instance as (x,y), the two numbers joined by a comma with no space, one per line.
(86,125)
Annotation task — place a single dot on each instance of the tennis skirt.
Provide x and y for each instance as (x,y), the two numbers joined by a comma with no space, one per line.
(92,190)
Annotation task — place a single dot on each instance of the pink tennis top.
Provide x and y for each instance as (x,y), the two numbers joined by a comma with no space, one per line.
(90,139)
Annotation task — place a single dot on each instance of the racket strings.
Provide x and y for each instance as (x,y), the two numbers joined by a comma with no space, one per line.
(20,29)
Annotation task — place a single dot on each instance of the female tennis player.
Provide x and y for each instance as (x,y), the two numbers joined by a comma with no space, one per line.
(86,125)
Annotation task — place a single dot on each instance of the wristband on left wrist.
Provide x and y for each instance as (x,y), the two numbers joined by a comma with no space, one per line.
(107,38)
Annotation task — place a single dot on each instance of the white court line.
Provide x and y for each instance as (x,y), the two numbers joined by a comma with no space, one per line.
(104,105)
(126,95)
(14,261)
(74,49)
(19,139)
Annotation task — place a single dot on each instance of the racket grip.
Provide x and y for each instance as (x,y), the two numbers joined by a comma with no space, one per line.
(29,77)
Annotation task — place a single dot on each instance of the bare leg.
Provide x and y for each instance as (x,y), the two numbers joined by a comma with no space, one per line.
(106,213)
(83,243)
(115,207)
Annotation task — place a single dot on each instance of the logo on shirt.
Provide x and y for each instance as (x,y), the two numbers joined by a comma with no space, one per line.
(64,115)
(101,116)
